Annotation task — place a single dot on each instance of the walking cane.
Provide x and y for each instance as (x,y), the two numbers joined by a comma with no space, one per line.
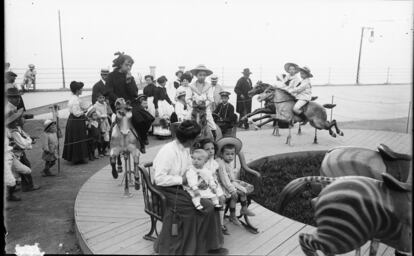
(55,113)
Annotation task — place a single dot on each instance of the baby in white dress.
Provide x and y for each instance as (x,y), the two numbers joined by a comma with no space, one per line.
(201,183)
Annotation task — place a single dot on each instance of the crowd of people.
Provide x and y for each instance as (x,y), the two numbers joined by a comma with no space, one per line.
(197,175)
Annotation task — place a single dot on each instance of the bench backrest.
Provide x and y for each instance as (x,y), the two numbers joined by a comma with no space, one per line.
(154,200)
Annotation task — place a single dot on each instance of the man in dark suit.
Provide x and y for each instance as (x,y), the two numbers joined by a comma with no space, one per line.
(99,87)
(244,102)
(224,115)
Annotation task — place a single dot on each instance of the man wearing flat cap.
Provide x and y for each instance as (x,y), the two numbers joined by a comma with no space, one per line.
(217,89)
(224,115)
(244,102)
(99,87)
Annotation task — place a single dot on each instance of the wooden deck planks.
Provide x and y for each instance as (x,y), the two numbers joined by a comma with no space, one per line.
(110,223)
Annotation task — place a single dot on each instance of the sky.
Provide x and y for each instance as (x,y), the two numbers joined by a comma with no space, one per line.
(225,35)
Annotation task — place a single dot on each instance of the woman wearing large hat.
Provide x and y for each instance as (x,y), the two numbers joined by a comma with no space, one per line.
(201,90)
(75,148)
(302,91)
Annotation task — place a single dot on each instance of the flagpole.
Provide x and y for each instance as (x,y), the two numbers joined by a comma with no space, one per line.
(61,51)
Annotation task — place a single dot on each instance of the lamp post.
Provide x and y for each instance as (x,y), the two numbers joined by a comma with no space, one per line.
(371,39)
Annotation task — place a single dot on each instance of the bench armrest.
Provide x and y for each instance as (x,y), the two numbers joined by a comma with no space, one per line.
(247,168)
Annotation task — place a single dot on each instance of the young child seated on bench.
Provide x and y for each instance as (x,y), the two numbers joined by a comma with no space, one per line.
(233,188)
(201,183)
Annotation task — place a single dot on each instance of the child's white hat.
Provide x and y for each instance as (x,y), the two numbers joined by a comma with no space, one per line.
(229,140)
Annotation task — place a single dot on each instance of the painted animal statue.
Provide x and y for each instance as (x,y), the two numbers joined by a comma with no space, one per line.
(124,138)
(314,113)
(353,210)
(199,115)
(358,161)
(284,102)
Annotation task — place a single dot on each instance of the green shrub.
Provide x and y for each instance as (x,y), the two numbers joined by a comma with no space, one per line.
(276,174)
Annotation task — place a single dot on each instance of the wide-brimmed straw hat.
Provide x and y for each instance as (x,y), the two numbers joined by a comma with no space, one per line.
(306,70)
(287,65)
(229,140)
(47,124)
(14,115)
(90,111)
(246,71)
(199,68)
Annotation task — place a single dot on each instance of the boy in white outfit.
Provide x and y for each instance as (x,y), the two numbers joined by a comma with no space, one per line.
(302,91)
(201,183)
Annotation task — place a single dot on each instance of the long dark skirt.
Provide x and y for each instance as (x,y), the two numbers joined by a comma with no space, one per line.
(198,231)
(76,145)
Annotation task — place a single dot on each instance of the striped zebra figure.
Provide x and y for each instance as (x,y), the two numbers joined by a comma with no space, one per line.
(358,161)
(353,210)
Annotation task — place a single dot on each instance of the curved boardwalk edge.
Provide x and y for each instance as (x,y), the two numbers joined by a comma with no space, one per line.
(106,222)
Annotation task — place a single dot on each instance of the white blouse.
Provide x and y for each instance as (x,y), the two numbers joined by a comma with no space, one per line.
(170,163)
(74,106)
(182,114)
(205,94)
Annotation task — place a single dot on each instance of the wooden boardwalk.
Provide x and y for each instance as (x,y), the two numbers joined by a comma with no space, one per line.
(109,223)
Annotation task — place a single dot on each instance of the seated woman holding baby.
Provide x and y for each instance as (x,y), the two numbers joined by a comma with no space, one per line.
(196,186)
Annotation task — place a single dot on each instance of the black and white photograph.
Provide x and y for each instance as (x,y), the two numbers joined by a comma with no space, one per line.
(208,127)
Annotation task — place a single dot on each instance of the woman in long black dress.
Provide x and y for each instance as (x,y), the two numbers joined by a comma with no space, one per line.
(198,232)
(76,146)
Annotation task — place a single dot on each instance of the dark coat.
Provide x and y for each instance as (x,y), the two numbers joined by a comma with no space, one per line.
(225,114)
(141,119)
(243,86)
(118,87)
(161,94)
(99,87)
(150,91)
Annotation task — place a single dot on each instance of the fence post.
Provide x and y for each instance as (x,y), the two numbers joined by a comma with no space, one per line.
(408,117)
(388,75)
(329,75)
(332,108)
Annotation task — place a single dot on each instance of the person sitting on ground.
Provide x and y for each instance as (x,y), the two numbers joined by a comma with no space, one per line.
(224,114)
(233,188)
(20,141)
(211,147)
(49,142)
(141,119)
(290,80)
(93,132)
(101,108)
(201,183)
(181,107)
(177,82)
(302,91)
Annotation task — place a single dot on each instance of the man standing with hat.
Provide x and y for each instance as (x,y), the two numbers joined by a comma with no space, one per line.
(244,102)
(224,114)
(99,87)
(216,91)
